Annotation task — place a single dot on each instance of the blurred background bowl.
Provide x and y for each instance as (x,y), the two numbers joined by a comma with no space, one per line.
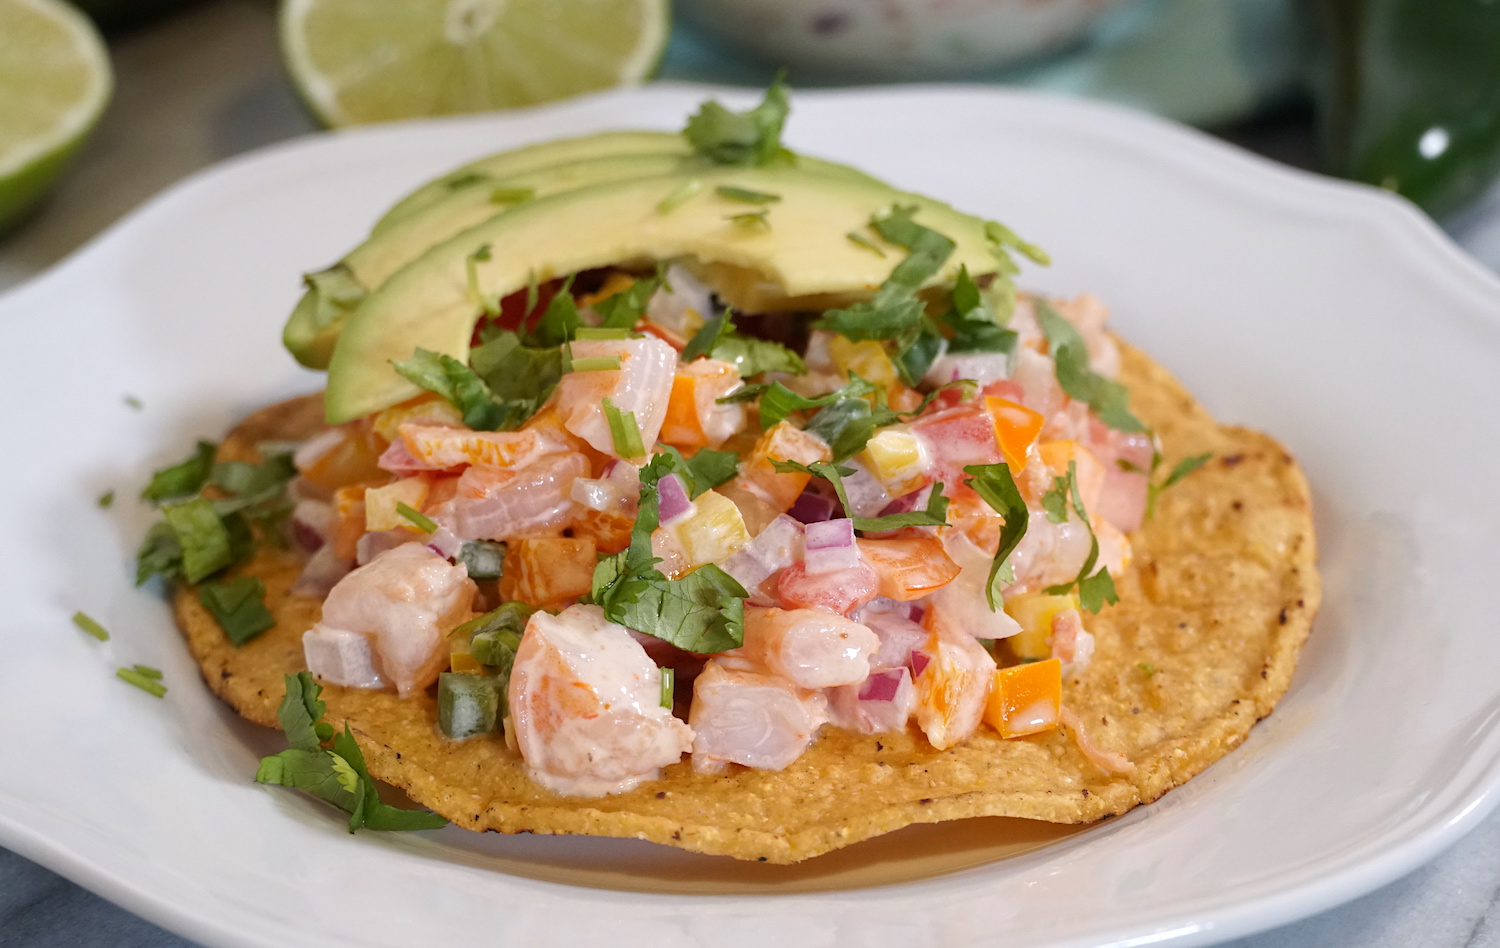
(894,39)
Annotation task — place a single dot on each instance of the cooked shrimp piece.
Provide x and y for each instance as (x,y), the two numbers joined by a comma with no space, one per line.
(952,684)
(642,384)
(910,567)
(407,599)
(1111,762)
(963,602)
(494,503)
(1072,644)
(880,704)
(1050,553)
(585,705)
(744,714)
(809,647)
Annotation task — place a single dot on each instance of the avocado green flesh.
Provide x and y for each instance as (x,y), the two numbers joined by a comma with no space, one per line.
(805,251)
(530,158)
(310,334)
(314,325)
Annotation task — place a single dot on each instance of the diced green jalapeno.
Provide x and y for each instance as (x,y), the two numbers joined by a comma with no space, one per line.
(484,559)
(468,705)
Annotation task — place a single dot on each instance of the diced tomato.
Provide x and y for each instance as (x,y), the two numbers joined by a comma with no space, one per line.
(909,568)
(959,437)
(840,591)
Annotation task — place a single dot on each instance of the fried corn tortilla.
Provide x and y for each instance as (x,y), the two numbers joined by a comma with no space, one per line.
(1216,604)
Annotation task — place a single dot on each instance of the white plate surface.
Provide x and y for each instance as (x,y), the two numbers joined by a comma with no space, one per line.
(1334,317)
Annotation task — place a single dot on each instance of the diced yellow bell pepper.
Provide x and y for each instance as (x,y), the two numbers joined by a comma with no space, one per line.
(1034,613)
(424,409)
(1026,699)
(713,531)
(896,457)
(380,503)
(460,659)
(866,359)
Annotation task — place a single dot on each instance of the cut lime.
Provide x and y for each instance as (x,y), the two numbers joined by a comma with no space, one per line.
(357,61)
(54,82)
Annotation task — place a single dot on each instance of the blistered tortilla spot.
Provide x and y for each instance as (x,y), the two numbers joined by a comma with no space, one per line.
(1203,604)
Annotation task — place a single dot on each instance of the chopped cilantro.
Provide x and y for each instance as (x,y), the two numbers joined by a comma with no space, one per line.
(993,483)
(703,471)
(465,180)
(741,138)
(702,612)
(625,309)
(624,430)
(338,776)
(415,518)
(750,356)
(489,304)
(745,195)
(559,322)
(668,687)
(461,387)
(777,401)
(203,537)
(1108,399)
(1055,500)
(752,219)
(239,606)
(860,240)
(520,377)
(935,514)
(1180,470)
(1097,590)
(1094,589)
(917,349)
(146,671)
(594,364)
(847,425)
(106,500)
(679,196)
(132,402)
(974,326)
(1147,668)
(184,478)
(597,332)
(84,622)
(143,682)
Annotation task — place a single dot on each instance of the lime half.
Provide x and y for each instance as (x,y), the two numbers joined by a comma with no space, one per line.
(54,82)
(357,61)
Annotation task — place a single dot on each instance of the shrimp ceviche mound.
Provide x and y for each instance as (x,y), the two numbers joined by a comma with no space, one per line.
(679,487)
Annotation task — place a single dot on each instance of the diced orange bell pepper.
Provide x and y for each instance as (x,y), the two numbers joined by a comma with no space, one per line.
(1016,428)
(909,568)
(683,428)
(350,461)
(1025,699)
(610,531)
(784,442)
(548,572)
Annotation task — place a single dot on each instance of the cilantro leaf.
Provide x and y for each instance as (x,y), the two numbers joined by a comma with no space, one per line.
(202,537)
(993,482)
(935,514)
(746,195)
(625,308)
(1180,470)
(339,776)
(520,377)
(159,555)
(559,323)
(895,312)
(1097,590)
(1105,397)
(239,606)
(184,478)
(917,349)
(847,425)
(778,401)
(701,612)
(1055,501)
(974,326)
(741,138)
(750,356)
(703,471)
(457,384)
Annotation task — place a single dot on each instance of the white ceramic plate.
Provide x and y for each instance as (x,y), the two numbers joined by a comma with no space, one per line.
(1334,317)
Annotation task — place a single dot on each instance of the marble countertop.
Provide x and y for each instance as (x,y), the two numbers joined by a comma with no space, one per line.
(207,84)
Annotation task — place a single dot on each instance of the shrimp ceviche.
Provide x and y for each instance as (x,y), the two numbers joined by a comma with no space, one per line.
(664,462)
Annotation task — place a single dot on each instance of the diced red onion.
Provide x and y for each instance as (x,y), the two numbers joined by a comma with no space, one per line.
(321,573)
(673,503)
(906,503)
(315,447)
(341,657)
(899,637)
(882,685)
(310,524)
(776,547)
(867,496)
(918,662)
(444,542)
(813,507)
(830,546)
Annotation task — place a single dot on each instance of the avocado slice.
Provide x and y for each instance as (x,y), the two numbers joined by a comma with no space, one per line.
(318,318)
(332,294)
(529,158)
(802,248)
